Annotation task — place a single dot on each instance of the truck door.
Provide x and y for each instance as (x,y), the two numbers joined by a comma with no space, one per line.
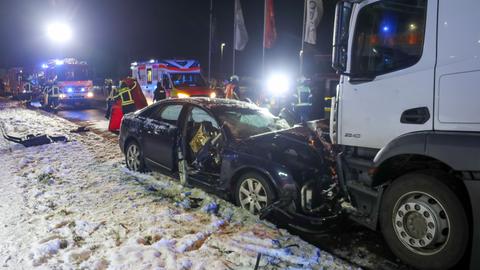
(389,89)
(458,69)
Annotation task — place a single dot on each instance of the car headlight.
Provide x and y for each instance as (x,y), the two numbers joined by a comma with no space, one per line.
(90,94)
(183,95)
(213,95)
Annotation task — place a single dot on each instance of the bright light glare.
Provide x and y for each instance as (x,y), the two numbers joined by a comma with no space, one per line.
(59,32)
(213,95)
(278,84)
(152,61)
(183,95)
(90,95)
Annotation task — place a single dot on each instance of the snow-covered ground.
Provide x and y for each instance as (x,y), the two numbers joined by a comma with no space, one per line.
(74,205)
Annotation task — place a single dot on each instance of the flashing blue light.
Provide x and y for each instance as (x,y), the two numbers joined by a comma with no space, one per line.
(386,29)
(58,62)
(69,90)
(44,66)
(83,89)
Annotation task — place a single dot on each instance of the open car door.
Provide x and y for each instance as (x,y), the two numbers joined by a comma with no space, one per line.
(202,147)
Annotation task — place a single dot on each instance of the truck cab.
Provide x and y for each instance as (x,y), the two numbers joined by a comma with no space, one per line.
(406,122)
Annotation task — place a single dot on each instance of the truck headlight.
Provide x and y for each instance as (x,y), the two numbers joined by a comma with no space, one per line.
(90,95)
(213,95)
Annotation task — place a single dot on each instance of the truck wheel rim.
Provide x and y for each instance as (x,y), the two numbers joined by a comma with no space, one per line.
(133,157)
(421,223)
(253,196)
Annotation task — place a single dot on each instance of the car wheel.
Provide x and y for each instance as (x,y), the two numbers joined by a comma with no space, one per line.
(134,157)
(253,192)
(424,222)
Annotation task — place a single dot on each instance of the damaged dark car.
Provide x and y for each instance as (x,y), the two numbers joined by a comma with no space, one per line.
(238,151)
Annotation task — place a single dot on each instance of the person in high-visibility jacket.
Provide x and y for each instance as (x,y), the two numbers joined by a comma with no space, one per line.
(125,96)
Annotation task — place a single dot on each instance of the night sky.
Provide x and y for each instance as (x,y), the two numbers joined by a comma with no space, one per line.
(110,34)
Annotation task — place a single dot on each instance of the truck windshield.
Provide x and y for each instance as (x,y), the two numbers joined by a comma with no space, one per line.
(187,79)
(388,36)
(72,73)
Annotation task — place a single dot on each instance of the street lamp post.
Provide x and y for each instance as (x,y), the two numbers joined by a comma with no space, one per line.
(222,46)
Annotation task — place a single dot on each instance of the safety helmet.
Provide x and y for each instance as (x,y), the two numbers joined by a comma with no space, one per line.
(234,79)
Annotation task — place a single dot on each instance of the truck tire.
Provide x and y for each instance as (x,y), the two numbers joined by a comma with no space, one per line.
(424,222)
(253,192)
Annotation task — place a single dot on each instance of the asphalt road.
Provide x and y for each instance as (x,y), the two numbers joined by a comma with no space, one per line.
(347,240)
(93,113)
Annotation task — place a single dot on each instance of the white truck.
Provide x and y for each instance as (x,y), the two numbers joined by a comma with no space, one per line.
(406,120)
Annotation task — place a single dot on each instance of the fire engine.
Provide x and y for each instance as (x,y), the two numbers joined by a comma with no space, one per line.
(72,79)
(181,78)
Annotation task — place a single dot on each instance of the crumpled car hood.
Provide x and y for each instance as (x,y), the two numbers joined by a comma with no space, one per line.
(296,148)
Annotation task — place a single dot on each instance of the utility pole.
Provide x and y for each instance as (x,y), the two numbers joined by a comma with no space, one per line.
(222,46)
(210,43)
(302,50)
(264,29)
(234,35)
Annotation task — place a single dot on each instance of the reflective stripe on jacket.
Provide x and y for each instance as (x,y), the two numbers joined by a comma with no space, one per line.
(125,95)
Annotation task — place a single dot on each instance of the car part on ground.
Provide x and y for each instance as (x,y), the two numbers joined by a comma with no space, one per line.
(35,140)
(80,129)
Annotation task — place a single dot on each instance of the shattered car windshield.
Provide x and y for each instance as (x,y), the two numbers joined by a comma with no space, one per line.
(247,122)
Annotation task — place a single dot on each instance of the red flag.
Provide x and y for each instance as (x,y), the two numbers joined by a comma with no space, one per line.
(270,33)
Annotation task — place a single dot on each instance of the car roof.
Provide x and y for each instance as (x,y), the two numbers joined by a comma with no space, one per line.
(211,103)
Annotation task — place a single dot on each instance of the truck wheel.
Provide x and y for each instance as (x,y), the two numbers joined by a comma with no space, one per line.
(134,157)
(424,222)
(253,192)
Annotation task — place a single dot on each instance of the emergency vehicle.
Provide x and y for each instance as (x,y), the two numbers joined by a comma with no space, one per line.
(181,78)
(71,77)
